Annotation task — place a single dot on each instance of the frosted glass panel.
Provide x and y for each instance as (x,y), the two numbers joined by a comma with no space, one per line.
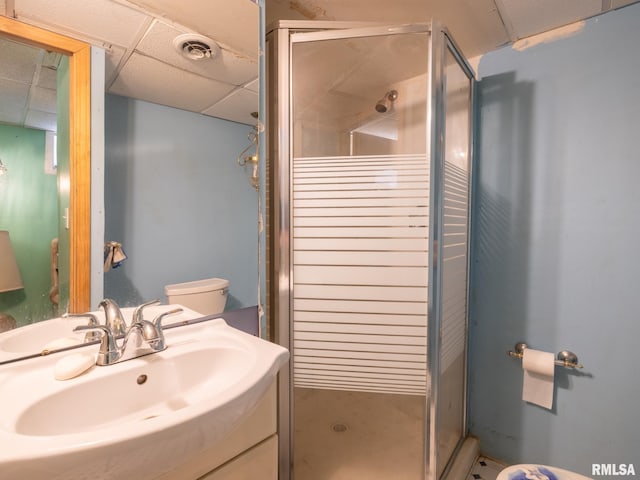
(453,326)
(360,240)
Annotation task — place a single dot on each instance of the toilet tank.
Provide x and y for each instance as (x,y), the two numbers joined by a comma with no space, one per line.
(207,296)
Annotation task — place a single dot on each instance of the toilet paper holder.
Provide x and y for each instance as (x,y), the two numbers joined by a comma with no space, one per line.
(565,358)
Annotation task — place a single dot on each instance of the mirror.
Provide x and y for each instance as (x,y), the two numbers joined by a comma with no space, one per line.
(130,291)
(75,176)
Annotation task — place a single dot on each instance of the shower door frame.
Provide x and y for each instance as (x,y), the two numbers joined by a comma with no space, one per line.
(436,125)
(280,41)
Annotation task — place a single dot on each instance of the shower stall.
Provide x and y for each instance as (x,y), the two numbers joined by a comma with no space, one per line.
(369,174)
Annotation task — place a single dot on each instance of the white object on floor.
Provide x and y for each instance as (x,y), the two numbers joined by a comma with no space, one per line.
(538,472)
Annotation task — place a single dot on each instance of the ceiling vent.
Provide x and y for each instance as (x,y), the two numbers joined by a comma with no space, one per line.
(195,47)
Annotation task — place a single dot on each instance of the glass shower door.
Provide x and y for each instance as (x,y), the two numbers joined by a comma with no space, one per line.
(369,175)
(360,180)
(452,322)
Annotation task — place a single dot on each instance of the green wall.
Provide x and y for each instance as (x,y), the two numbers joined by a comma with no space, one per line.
(28,210)
(64,246)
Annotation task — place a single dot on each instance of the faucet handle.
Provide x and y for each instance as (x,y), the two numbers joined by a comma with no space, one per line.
(158,320)
(137,313)
(109,351)
(150,333)
(93,321)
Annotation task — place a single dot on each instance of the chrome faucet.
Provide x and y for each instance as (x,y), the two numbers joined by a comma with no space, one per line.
(113,317)
(93,321)
(142,338)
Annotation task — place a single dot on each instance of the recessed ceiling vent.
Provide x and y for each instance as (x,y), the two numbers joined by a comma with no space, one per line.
(195,47)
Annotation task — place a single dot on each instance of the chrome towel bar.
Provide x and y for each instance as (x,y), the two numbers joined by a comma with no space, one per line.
(565,359)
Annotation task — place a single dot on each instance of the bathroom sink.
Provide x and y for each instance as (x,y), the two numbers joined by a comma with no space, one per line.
(135,419)
(58,332)
(170,382)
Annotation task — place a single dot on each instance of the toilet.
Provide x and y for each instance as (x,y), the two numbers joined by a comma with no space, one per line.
(207,296)
(538,472)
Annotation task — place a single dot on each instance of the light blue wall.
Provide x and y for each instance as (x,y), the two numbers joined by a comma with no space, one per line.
(177,201)
(556,254)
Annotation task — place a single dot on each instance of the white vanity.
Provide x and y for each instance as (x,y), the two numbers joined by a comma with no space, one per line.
(249,451)
(205,407)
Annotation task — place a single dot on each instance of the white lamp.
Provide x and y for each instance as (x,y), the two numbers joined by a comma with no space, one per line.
(10,278)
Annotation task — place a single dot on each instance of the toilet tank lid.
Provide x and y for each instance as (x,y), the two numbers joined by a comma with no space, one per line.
(196,286)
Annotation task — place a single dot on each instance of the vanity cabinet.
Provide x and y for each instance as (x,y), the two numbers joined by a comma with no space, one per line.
(248,452)
(259,462)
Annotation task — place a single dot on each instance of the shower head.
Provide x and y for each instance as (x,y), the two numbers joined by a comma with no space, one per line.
(386,102)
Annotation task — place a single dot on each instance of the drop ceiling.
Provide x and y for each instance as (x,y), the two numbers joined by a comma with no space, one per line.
(478,26)
(142,63)
(141,60)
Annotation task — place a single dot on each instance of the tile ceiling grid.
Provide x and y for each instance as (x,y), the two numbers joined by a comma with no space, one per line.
(123,37)
(125,29)
(522,18)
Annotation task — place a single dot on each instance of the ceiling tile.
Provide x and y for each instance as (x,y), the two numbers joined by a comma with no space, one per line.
(41,120)
(475,25)
(43,99)
(232,22)
(621,3)
(227,67)
(253,85)
(236,107)
(98,19)
(18,61)
(48,78)
(167,85)
(13,98)
(397,11)
(528,17)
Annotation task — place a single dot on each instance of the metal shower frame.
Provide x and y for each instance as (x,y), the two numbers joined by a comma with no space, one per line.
(280,40)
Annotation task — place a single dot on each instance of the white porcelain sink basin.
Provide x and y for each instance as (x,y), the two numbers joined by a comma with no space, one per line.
(34,338)
(169,383)
(136,419)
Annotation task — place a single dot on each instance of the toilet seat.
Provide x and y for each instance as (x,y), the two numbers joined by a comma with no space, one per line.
(538,472)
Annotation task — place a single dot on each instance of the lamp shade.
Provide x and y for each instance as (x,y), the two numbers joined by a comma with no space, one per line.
(10,278)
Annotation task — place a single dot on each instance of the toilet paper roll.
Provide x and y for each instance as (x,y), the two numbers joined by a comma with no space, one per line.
(537,384)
